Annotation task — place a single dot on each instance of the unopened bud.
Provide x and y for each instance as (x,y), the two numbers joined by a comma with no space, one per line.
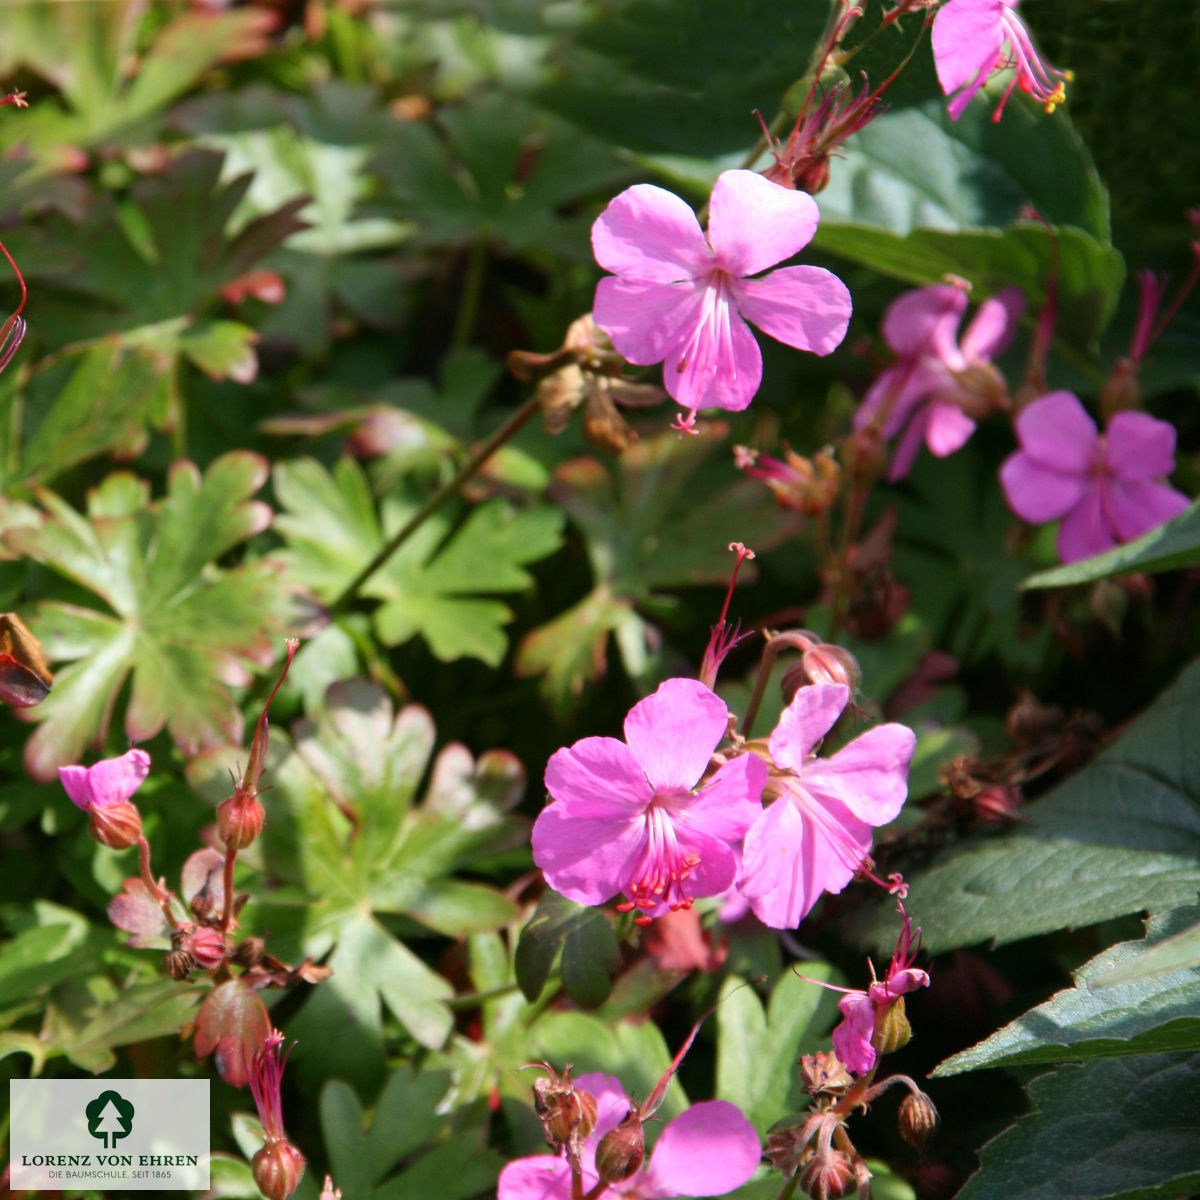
(982,390)
(787,1141)
(998,805)
(278,1167)
(117,826)
(824,1073)
(207,946)
(622,1150)
(919,1120)
(829,1176)
(821,662)
(240,820)
(892,1029)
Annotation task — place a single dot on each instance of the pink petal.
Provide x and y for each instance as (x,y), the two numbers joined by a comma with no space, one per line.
(110,781)
(993,326)
(646,320)
(852,1037)
(925,321)
(754,223)
(967,39)
(647,233)
(673,733)
(1056,431)
(907,448)
(543,1177)
(947,428)
(1135,506)
(1084,530)
(706,1151)
(585,860)
(870,775)
(1139,446)
(805,307)
(731,801)
(1037,493)
(810,716)
(599,778)
(715,363)
(611,1105)
(780,875)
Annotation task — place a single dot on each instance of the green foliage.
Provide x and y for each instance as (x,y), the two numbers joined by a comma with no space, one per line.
(584,938)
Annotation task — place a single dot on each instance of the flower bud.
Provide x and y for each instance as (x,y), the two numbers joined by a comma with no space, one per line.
(982,390)
(892,1029)
(177,963)
(829,1176)
(240,820)
(207,947)
(787,1140)
(998,805)
(249,952)
(824,1074)
(622,1150)
(919,1120)
(567,1115)
(117,826)
(277,1168)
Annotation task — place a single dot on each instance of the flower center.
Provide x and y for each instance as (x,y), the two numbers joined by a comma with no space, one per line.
(663,867)
(709,348)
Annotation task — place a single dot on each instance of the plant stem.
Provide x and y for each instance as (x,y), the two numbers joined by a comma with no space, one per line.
(227,915)
(789,1186)
(765,665)
(468,469)
(468,306)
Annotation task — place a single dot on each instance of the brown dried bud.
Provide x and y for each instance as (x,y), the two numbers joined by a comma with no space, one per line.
(919,1120)
(622,1151)
(567,1115)
(829,1176)
(240,820)
(787,1142)
(892,1029)
(277,1168)
(117,826)
(178,963)
(824,1074)
(558,395)
(961,776)
(249,953)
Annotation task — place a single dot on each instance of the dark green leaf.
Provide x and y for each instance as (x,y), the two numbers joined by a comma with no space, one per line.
(586,940)
(1122,1128)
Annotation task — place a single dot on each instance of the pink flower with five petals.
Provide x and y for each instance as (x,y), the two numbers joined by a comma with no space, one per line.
(816,833)
(682,297)
(970,38)
(106,783)
(709,1150)
(926,395)
(634,817)
(1106,488)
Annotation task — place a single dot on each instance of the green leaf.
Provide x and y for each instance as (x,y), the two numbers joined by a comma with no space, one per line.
(1121,1128)
(1167,548)
(757,1049)
(1147,1014)
(175,622)
(433,584)
(585,938)
(1119,836)
(36,959)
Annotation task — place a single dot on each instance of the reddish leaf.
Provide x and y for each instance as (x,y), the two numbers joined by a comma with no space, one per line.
(233,1022)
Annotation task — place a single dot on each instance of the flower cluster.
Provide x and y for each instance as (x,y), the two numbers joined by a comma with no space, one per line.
(654,819)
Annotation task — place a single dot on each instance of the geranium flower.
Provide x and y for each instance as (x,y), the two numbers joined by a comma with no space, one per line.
(816,833)
(1107,488)
(926,396)
(629,817)
(682,297)
(103,791)
(973,39)
(709,1150)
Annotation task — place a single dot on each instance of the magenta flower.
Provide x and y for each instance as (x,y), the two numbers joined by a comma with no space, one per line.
(854,1038)
(1107,488)
(709,1150)
(973,39)
(816,833)
(629,817)
(682,297)
(927,395)
(108,782)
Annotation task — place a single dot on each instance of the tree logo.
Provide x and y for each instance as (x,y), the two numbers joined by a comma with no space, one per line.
(109,1118)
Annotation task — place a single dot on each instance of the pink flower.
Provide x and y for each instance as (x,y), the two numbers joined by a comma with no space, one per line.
(853,1039)
(629,817)
(1107,488)
(927,395)
(682,297)
(709,1150)
(972,39)
(108,782)
(815,835)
